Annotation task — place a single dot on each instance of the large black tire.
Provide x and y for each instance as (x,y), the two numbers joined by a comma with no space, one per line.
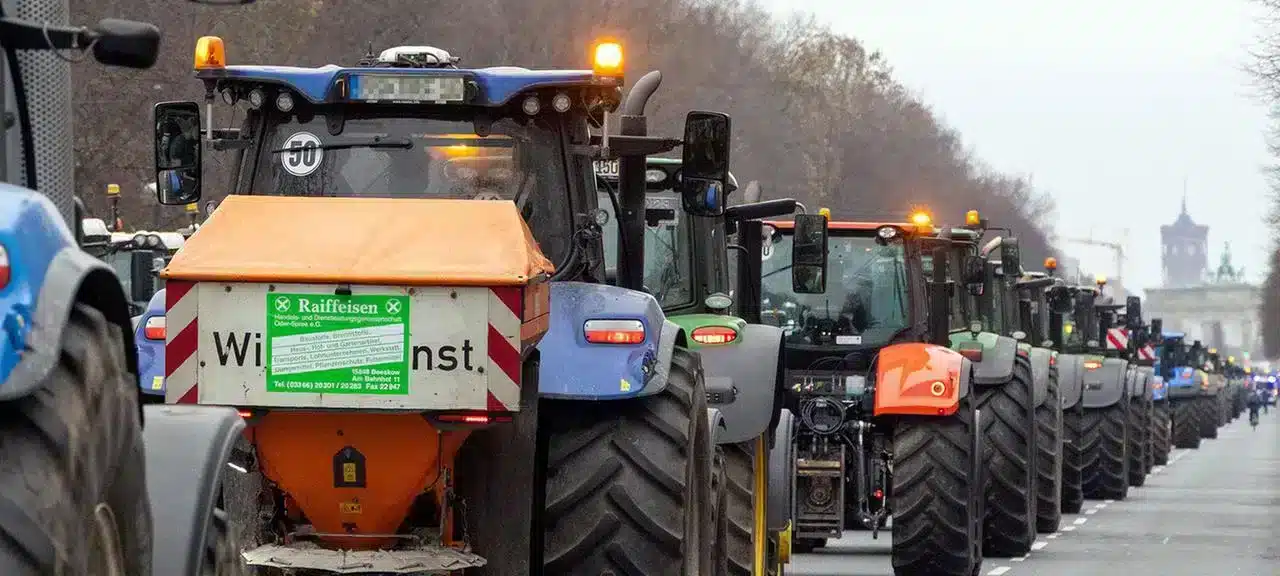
(720,515)
(1009,440)
(1049,459)
(1072,460)
(740,479)
(1148,447)
(1207,415)
(1105,448)
(1186,424)
(937,494)
(1160,433)
(1139,429)
(629,482)
(222,547)
(72,445)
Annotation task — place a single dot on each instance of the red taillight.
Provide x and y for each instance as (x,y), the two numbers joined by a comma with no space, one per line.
(614,331)
(4,267)
(154,328)
(246,414)
(973,354)
(1053,360)
(878,494)
(714,335)
(473,418)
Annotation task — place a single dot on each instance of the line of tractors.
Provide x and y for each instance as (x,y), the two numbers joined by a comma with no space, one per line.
(447,320)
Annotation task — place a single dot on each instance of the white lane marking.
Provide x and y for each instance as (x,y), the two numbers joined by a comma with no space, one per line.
(1080,521)
(1101,506)
(1039,545)
(1020,559)
(1108,501)
(1090,511)
(1157,470)
(1068,528)
(997,571)
(1165,541)
(1054,536)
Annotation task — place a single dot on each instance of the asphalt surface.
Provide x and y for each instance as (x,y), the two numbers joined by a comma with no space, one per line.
(1214,511)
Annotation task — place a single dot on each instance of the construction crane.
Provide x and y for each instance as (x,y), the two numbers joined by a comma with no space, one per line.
(1116,248)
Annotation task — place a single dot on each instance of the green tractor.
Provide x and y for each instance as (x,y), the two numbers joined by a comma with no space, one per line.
(687,268)
(1011,378)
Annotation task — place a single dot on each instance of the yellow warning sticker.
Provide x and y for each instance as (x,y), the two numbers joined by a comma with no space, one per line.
(352,507)
(157,383)
(349,472)
(626,386)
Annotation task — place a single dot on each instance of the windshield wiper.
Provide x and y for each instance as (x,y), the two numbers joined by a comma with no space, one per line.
(376,142)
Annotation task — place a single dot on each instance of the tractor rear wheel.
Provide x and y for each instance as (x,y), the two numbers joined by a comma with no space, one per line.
(1105,447)
(1139,429)
(937,494)
(720,515)
(629,482)
(1072,459)
(1186,424)
(740,483)
(1160,431)
(1207,413)
(1049,459)
(73,493)
(1009,439)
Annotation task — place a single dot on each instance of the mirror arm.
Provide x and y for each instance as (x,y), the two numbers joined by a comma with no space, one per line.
(25,35)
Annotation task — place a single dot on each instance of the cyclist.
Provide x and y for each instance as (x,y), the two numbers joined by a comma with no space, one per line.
(1256,402)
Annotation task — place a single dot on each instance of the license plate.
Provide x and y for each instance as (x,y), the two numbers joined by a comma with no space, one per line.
(607,169)
(407,88)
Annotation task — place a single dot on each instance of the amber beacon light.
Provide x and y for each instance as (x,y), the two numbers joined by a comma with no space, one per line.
(210,53)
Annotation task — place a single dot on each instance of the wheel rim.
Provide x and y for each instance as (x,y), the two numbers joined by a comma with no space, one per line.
(106,545)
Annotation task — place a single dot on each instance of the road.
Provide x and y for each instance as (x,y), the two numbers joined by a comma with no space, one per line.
(1211,512)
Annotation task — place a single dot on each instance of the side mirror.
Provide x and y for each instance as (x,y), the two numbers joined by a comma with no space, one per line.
(761,210)
(142,278)
(1157,329)
(704,179)
(974,270)
(1133,309)
(809,254)
(1011,257)
(177,152)
(126,43)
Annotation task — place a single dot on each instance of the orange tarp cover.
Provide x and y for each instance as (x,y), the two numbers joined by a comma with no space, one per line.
(403,242)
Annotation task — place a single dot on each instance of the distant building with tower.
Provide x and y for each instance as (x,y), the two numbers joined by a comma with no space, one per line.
(1214,306)
(1185,255)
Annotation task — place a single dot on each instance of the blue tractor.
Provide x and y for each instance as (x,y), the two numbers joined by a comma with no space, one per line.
(74,417)
(454,382)
(1185,386)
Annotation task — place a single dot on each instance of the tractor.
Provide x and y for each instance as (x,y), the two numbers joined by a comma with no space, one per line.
(1052,306)
(689,270)
(1188,388)
(1141,358)
(1013,384)
(1161,413)
(67,364)
(456,383)
(886,423)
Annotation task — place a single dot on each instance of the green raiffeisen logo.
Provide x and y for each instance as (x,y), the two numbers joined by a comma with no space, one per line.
(337,344)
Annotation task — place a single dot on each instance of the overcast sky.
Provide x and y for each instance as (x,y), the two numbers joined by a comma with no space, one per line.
(1109,105)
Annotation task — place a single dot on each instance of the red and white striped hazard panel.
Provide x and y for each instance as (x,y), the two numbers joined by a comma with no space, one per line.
(377,347)
(1117,339)
(1147,353)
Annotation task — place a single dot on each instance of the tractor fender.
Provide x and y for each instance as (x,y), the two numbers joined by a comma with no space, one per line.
(919,379)
(1185,383)
(782,466)
(1106,384)
(998,353)
(715,423)
(1070,375)
(49,275)
(1039,374)
(753,365)
(187,448)
(150,352)
(1141,381)
(574,369)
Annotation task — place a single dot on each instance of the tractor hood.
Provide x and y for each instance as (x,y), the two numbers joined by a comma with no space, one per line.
(404,242)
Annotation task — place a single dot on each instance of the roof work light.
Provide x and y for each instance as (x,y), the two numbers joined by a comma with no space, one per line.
(210,53)
(607,59)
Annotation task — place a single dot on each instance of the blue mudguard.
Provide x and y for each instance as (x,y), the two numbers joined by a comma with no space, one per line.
(47,275)
(151,350)
(572,368)
(1183,383)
